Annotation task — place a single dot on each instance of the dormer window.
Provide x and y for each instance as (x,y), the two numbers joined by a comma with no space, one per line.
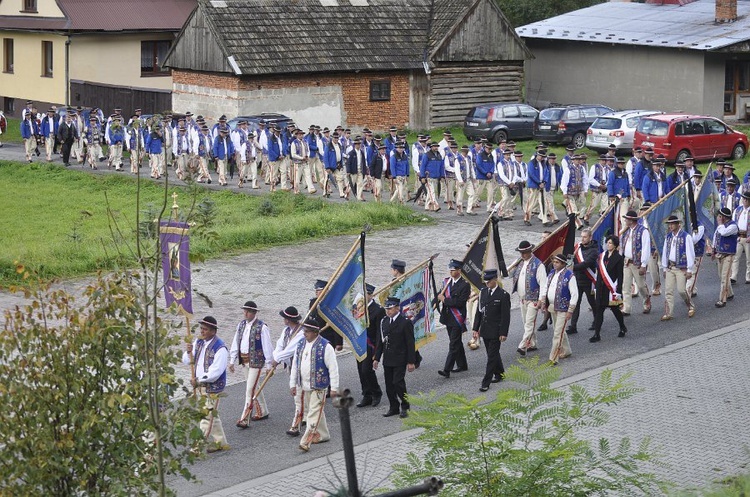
(29,6)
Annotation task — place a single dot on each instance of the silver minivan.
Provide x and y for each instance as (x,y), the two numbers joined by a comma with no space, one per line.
(615,128)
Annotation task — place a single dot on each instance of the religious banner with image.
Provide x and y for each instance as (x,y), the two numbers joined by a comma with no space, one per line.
(175,260)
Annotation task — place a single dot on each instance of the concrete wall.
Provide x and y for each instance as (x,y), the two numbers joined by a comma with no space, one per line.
(115,60)
(622,77)
(45,8)
(26,81)
(713,87)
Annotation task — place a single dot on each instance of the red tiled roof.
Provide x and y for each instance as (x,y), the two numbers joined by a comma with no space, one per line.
(109,15)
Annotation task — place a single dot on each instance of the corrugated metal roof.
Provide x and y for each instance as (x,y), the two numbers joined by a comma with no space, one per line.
(109,15)
(690,26)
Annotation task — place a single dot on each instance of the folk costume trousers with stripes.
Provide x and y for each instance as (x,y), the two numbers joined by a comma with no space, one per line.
(317,428)
(256,408)
(528,318)
(211,424)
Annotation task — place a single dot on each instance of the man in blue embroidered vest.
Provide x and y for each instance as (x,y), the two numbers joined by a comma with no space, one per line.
(574,185)
(636,250)
(677,259)
(454,296)
(252,346)
(290,338)
(314,369)
(396,342)
(529,277)
(491,322)
(209,355)
(560,295)
(741,215)
(725,247)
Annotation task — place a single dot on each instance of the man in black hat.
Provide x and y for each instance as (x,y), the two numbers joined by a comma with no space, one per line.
(356,168)
(724,250)
(300,153)
(741,215)
(181,149)
(252,346)
(675,179)
(336,341)
(371,391)
(730,197)
(454,296)
(398,268)
(68,135)
(491,322)
(93,139)
(209,355)
(396,342)
(636,252)
(729,174)
(378,166)
(529,277)
(290,338)
(315,370)
(559,296)
(677,261)
(222,151)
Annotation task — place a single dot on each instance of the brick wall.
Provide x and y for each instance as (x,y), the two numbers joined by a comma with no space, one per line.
(726,10)
(289,94)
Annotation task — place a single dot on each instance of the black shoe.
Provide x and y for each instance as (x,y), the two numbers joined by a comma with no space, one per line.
(521,352)
(571,331)
(595,338)
(390,413)
(622,332)
(483,388)
(444,374)
(376,400)
(293,432)
(720,304)
(404,413)
(532,349)
(366,401)
(730,297)
(542,327)
(459,370)
(733,281)
(496,379)
(592,328)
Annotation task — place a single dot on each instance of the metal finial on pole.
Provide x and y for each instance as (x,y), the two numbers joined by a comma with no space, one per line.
(175,207)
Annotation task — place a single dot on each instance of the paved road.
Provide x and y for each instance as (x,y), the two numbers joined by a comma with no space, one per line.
(283,276)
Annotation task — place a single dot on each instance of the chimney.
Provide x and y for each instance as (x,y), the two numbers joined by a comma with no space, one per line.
(726,10)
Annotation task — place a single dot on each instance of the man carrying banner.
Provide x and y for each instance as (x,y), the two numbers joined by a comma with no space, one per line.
(210,378)
(396,342)
(636,243)
(454,296)
(290,338)
(584,268)
(677,260)
(618,185)
(560,293)
(529,277)
(491,322)
(314,370)
(371,391)
(740,216)
(654,260)
(252,346)
(574,185)
(725,247)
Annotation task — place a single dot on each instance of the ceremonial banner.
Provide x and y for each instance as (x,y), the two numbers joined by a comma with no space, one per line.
(605,226)
(485,252)
(343,303)
(175,261)
(413,288)
(673,204)
(706,204)
(554,243)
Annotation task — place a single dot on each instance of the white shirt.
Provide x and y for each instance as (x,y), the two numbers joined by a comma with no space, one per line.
(741,219)
(645,247)
(669,254)
(330,362)
(541,277)
(244,347)
(552,289)
(283,354)
(216,369)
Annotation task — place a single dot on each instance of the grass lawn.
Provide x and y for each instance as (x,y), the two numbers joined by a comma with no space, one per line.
(12,131)
(55,220)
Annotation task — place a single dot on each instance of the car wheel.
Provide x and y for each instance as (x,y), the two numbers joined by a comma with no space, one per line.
(579,140)
(499,136)
(684,154)
(738,151)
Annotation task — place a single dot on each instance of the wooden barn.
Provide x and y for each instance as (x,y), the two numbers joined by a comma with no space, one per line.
(375,63)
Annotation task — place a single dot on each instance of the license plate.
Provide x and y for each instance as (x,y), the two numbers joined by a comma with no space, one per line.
(600,138)
(472,124)
(545,126)
(648,144)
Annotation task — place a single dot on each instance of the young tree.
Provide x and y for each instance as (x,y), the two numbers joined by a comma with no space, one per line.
(527,441)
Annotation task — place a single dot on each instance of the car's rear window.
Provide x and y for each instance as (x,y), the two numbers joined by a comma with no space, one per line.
(551,114)
(653,127)
(481,112)
(607,123)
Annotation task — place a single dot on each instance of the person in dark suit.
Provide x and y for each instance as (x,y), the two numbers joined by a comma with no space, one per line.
(396,341)
(609,287)
(454,296)
(371,392)
(67,134)
(584,268)
(491,322)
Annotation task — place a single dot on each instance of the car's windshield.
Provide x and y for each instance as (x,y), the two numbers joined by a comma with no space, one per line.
(653,127)
(551,114)
(607,123)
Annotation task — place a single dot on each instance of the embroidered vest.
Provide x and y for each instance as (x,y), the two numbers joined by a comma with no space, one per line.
(462,163)
(700,247)
(319,377)
(256,358)
(208,359)
(637,242)
(600,173)
(681,256)
(575,181)
(726,244)
(450,174)
(532,285)
(562,292)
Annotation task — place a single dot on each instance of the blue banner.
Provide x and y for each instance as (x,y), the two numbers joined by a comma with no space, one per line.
(706,205)
(674,204)
(344,306)
(605,227)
